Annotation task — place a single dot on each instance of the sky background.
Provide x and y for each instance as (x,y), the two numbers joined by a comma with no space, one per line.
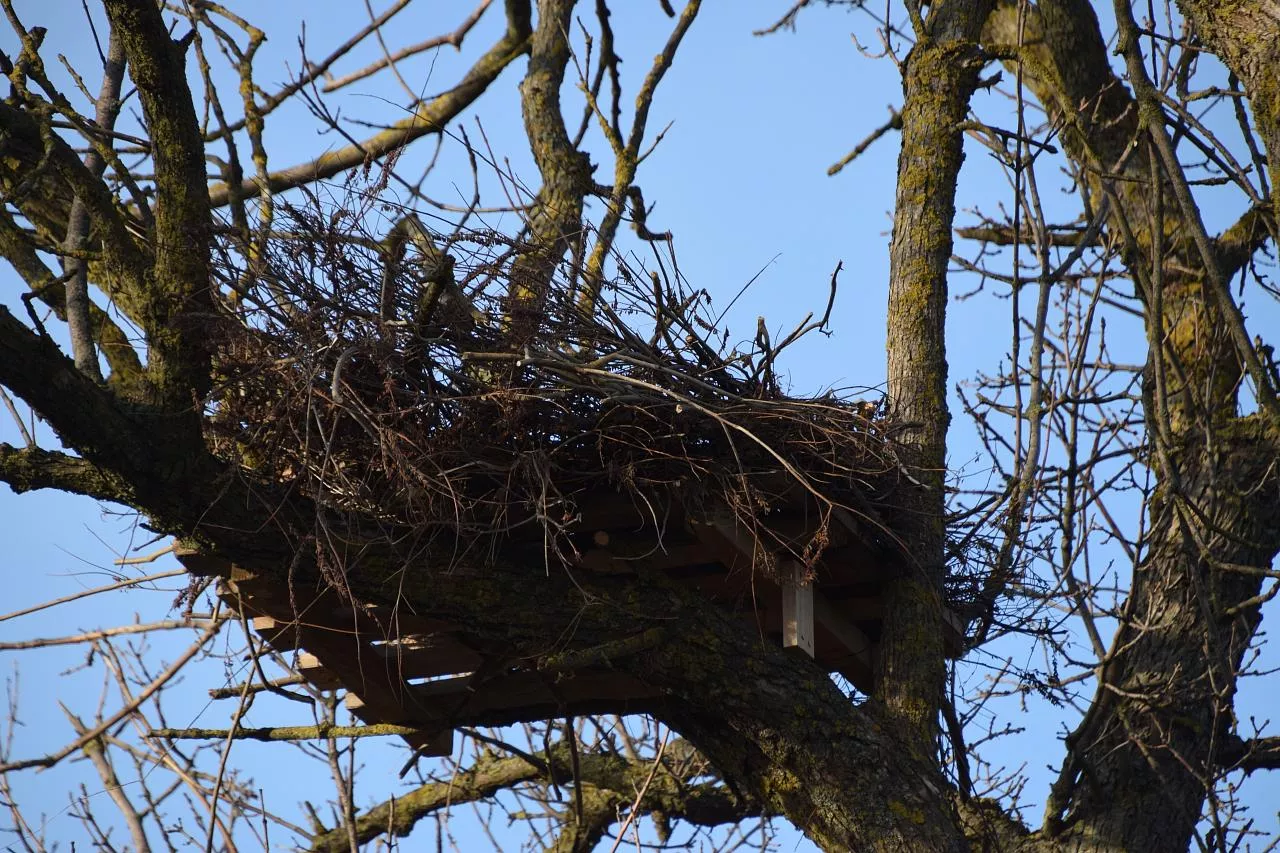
(740,179)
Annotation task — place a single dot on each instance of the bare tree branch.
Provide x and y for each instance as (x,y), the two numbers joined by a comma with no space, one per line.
(428,118)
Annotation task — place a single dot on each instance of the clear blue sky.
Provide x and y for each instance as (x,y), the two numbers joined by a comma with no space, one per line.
(741,181)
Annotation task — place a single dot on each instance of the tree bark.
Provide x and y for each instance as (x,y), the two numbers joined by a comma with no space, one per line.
(940,77)
(1139,766)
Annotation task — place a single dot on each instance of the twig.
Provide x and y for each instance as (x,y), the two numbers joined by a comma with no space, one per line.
(93,636)
(454,39)
(644,789)
(894,123)
(150,690)
(88,592)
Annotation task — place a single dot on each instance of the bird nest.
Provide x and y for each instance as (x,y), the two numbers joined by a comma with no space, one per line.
(399,383)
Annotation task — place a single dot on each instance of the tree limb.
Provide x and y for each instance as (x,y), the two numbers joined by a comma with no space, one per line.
(78,306)
(702,804)
(127,375)
(27,469)
(429,118)
(1259,753)
(178,294)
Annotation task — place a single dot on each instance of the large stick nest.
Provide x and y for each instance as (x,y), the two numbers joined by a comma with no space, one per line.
(482,418)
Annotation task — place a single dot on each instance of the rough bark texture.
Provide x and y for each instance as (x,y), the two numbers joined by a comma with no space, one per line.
(555,221)
(941,74)
(1139,764)
(1153,743)
(177,292)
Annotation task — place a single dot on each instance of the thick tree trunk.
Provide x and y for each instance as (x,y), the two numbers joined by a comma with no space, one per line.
(1155,735)
(1140,764)
(941,75)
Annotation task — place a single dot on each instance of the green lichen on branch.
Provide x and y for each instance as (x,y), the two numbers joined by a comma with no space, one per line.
(29,468)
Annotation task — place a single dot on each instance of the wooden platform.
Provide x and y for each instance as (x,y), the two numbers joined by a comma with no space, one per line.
(397,668)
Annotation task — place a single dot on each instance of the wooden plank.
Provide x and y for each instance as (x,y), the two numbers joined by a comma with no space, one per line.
(619,555)
(605,510)
(310,668)
(339,654)
(387,621)
(731,543)
(443,688)
(533,692)
(856,608)
(797,612)
(281,636)
(200,564)
(597,509)
(430,742)
(852,564)
(428,657)
(439,745)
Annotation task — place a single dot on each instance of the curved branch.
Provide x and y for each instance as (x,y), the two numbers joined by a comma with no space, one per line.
(151,455)
(1245,238)
(627,161)
(454,39)
(33,145)
(555,221)
(77,305)
(618,778)
(126,368)
(429,118)
(1259,753)
(177,296)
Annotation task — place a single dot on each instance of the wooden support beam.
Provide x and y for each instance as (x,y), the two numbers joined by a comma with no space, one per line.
(386,622)
(536,692)
(797,611)
(200,564)
(310,668)
(615,554)
(429,657)
(732,543)
(281,636)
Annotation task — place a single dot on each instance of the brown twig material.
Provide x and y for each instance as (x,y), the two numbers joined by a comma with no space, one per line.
(433,423)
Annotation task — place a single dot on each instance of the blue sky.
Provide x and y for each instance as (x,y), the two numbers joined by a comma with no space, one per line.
(740,179)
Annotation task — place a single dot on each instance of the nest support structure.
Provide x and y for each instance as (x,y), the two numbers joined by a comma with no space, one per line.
(440,411)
